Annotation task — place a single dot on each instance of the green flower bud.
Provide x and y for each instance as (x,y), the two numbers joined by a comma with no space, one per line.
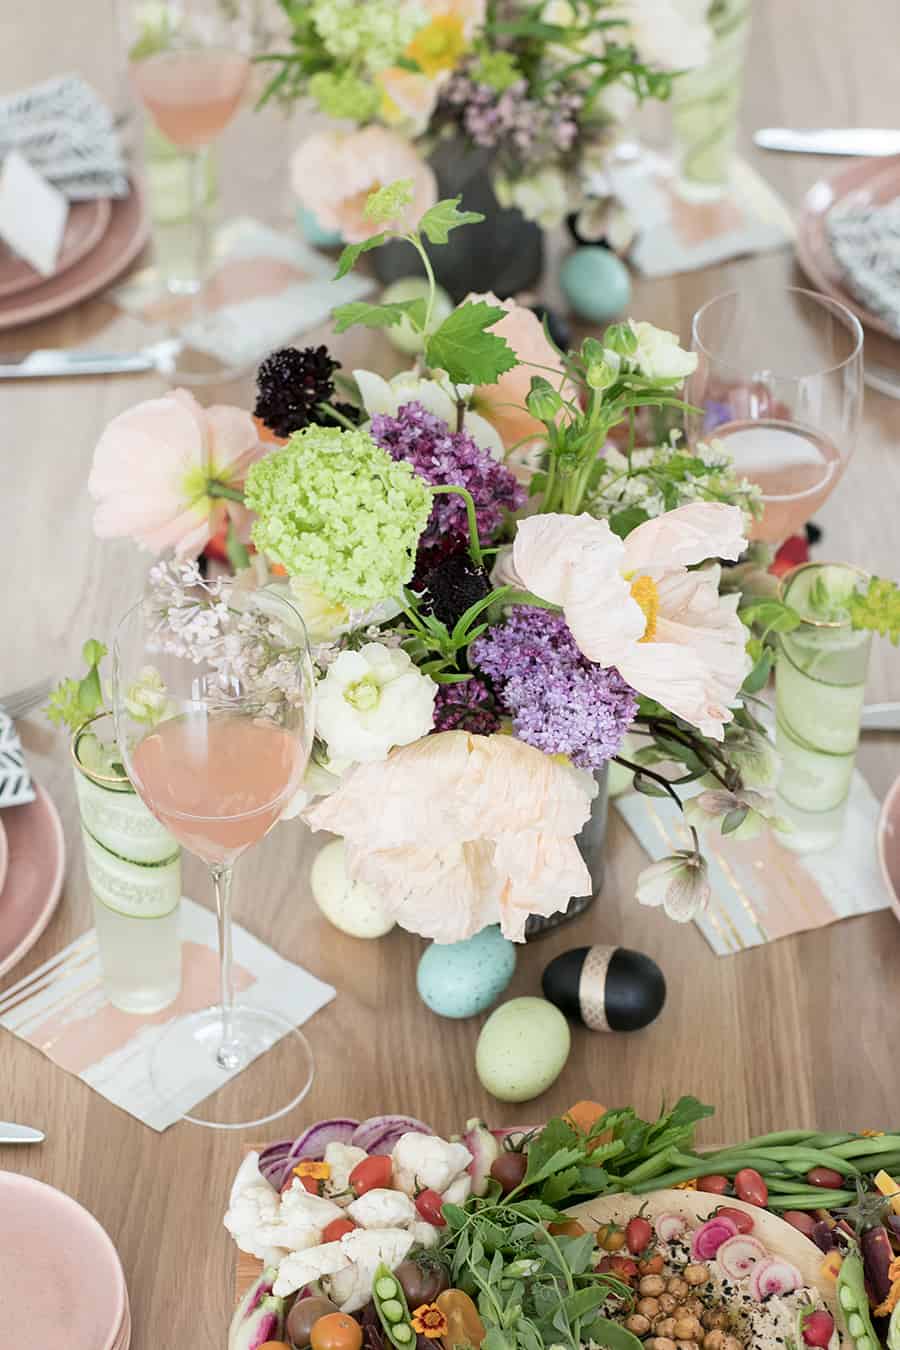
(543,402)
(621,339)
(600,375)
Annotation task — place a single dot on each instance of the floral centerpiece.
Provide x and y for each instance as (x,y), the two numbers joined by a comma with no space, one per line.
(521,96)
(499,588)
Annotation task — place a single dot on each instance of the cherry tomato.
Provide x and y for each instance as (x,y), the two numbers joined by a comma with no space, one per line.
(336,1331)
(818,1328)
(509,1169)
(742,1221)
(621,1266)
(750,1187)
(638,1235)
(829,1180)
(611,1238)
(714,1184)
(274,1345)
(804,1223)
(335,1230)
(652,1265)
(429,1203)
(569,1228)
(308,1183)
(372,1174)
(464,1326)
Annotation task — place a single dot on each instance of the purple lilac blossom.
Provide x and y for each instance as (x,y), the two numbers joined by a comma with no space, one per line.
(559,701)
(532,130)
(442,456)
(715,414)
(466,706)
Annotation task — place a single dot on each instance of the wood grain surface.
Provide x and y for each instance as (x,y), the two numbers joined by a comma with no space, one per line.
(797,1033)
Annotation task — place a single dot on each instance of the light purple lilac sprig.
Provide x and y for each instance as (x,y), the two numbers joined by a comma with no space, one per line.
(531,130)
(559,701)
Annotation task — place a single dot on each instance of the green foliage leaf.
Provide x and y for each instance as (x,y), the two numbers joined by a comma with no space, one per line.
(648,787)
(733,820)
(353,252)
(379,316)
(387,203)
(613,1336)
(445,216)
(759,675)
(626,520)
(464,348)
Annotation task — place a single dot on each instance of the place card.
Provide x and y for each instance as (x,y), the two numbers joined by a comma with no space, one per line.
(33,214)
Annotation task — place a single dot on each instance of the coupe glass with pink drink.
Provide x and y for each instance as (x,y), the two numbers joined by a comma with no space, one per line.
(779,381)
(213,703)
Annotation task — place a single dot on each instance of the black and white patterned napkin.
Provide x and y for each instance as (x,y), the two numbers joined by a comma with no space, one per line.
(67,134)
(15,780)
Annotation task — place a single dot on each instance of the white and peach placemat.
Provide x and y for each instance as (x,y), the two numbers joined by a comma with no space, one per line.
(61,1009)
(761,891)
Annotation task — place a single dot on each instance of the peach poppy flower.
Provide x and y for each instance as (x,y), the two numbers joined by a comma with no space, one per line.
(503,403)
(469,831)
(334,172)
(633,604)
(153,466)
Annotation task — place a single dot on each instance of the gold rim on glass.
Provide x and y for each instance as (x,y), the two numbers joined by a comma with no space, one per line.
(789,577)
(114,779)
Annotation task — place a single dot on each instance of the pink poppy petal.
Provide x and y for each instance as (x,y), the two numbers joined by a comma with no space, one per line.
(688,535)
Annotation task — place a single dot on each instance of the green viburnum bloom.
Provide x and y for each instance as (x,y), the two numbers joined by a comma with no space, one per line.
(334,508)
(345,95)
(498,70)
(375,33)
(389,202)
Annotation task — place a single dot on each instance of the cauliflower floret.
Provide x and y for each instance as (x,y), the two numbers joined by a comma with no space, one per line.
(302,1268)
(341,1158)
(424,1234)
(252,1214)
(366,1248)
(248,1174)
(422,1161)
(302,1218)
(458,1192)
(382,1209)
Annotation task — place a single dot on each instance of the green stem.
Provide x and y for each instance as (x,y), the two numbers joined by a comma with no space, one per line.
(214,488)
(474,542)
(333,413)
(429,272)
(657,778)
(630,450)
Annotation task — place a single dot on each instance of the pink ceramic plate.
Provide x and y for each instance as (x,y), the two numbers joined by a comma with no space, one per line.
(889,844)
(126,235)
(4,856)
(66,1287)
(37,855)
(85,226)
(868,182)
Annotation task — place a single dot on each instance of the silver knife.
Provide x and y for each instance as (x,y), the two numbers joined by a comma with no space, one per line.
(19,1134)
(881,717)
(830,140)
(55,362)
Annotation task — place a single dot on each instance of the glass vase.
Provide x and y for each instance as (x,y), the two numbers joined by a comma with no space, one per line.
(705,106)
(592,846)
(134,870)
(820,678)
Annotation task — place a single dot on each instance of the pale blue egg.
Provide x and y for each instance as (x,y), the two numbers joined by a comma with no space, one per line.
(460,979)
(596,283)
(320,236)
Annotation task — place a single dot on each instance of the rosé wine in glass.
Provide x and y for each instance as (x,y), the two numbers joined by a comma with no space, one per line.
(192,94)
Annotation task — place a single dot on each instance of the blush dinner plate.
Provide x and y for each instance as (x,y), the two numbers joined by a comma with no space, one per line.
(125,235)
(34,876)
(62,1284)
(85,226)
(4,856)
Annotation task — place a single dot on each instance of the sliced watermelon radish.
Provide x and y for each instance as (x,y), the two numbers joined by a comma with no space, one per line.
(669,1227)
(484,1149)
(739,1255)
(709,1237)
(774,1276)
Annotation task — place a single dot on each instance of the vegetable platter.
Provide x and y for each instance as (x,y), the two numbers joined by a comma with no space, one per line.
(596,1229)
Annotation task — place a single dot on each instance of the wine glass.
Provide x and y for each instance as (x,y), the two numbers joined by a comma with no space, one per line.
(779,380)
(213,707)
(190,67)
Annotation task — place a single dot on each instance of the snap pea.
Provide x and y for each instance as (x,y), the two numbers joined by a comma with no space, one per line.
(393,1312)
(854,1302)
(813,1198)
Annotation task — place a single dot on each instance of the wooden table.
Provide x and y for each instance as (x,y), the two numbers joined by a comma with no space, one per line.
(794,1033)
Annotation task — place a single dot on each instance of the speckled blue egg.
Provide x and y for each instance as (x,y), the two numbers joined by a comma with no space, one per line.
(320,236)
(596,283)
(460,979)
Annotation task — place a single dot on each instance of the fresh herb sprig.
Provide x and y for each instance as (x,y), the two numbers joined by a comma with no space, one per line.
(72,702)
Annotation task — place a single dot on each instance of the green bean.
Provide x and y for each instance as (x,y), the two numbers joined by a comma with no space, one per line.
(812,1157)
(779,1137)
(830,1140)
(864,1147)
(660,1162)
(782,1186)
(813,1198)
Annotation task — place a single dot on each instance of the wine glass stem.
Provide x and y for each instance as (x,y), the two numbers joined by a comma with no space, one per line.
(200,223)
(228,1054)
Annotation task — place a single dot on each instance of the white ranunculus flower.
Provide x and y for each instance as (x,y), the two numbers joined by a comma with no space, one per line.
(435,395)
(673,34)
(544,197)
(680,883)
(371,700)
(325,619)
(658,354)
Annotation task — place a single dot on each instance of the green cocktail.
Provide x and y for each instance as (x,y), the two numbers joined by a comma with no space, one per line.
(819,686)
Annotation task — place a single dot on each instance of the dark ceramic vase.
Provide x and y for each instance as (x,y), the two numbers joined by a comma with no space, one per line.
(592,846)
(504,254)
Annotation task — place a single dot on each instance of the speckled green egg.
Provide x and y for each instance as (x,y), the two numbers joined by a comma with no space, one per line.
(314,232)
(460,979)
(596,283)
(522,1049)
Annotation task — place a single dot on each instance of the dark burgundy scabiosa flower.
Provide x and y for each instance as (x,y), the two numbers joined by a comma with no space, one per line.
(443,457)
(559,701)
(291,387)
(466,706)
(452,586)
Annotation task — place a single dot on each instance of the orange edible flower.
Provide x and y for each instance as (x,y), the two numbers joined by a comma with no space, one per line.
(887,1307)
(583,1116)
(831,1266)
(319,1171)
(872,1134)
(685,1186)
(428,1320)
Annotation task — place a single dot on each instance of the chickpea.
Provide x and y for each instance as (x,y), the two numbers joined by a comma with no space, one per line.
(667,1303)
(714,1340)
(647,1307)
(637,1324)
(732,1343)
(696,1274)
(714,1319)
(677,1287)
(661,1343)
(687,1345)
(687,1329)
(652,1285)
(693,1306)
(665,1326)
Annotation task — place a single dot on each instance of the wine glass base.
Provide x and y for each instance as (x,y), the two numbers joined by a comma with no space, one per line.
(254,1092)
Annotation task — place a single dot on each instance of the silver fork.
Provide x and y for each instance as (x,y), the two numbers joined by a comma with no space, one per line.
(22,701)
